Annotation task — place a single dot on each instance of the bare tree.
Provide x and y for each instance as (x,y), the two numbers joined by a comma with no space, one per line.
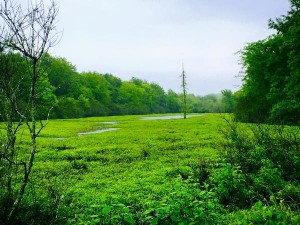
(29,31)
(184,92)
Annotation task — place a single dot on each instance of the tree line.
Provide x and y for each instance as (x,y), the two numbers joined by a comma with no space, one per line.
(70,94)
(94,94)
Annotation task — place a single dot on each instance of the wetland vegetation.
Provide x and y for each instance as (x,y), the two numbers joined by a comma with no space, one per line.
(56,167)
(202,170)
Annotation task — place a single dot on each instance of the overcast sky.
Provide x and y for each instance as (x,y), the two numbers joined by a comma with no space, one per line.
(150,39)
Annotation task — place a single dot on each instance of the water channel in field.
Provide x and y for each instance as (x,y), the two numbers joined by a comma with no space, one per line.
(168,117)
(98,131)
(102,130)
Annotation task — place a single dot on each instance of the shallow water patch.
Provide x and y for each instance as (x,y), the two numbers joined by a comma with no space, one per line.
(59,138)
(110,122)
(98,131)
(167,117)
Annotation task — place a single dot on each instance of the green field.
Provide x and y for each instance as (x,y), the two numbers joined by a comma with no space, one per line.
(141,158)
(166,171)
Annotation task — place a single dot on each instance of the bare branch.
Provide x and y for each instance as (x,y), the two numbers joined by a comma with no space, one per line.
(31,32)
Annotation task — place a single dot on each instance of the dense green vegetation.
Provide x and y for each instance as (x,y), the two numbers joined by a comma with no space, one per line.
(95,94)
(271,91)
(163,172)
(73,94)
(207,169)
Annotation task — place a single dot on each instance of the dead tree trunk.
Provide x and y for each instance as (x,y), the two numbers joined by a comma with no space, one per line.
(184,92)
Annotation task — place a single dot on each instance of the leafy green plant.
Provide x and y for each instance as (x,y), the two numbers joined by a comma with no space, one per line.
(79,165)
(265,161)
(260,214)
(108,213)
(185,204)
(268,180)
(230,185)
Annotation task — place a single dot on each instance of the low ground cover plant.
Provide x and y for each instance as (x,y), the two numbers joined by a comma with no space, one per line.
(203,170)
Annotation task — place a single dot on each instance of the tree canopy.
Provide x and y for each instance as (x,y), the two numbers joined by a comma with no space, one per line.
(95,94)
(271,91)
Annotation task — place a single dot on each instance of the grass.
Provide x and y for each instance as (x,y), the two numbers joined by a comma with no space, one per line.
(150,172)
(141,157)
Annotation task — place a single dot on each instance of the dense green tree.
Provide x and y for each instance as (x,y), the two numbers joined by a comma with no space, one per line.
(156,98)
(97,92)
(67,86)
(114,84)
(288,27)
(132,99)
(210,103)
(228,101)
(98,86)
(14,84)
(271,89)
(172,102)
(262,82)
(68,107)
(62,74)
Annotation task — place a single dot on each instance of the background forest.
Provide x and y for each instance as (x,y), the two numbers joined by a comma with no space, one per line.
(73,94)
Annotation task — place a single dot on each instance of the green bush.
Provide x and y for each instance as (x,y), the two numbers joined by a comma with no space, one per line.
(185,204)
(268,180)
(261,164)
(230,185)
(290,195)
(260,214)
(111,213)
(251,146)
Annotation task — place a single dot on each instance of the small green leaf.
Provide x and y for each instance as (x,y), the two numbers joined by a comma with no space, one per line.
(154,221)
(106,210)
(129,219)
